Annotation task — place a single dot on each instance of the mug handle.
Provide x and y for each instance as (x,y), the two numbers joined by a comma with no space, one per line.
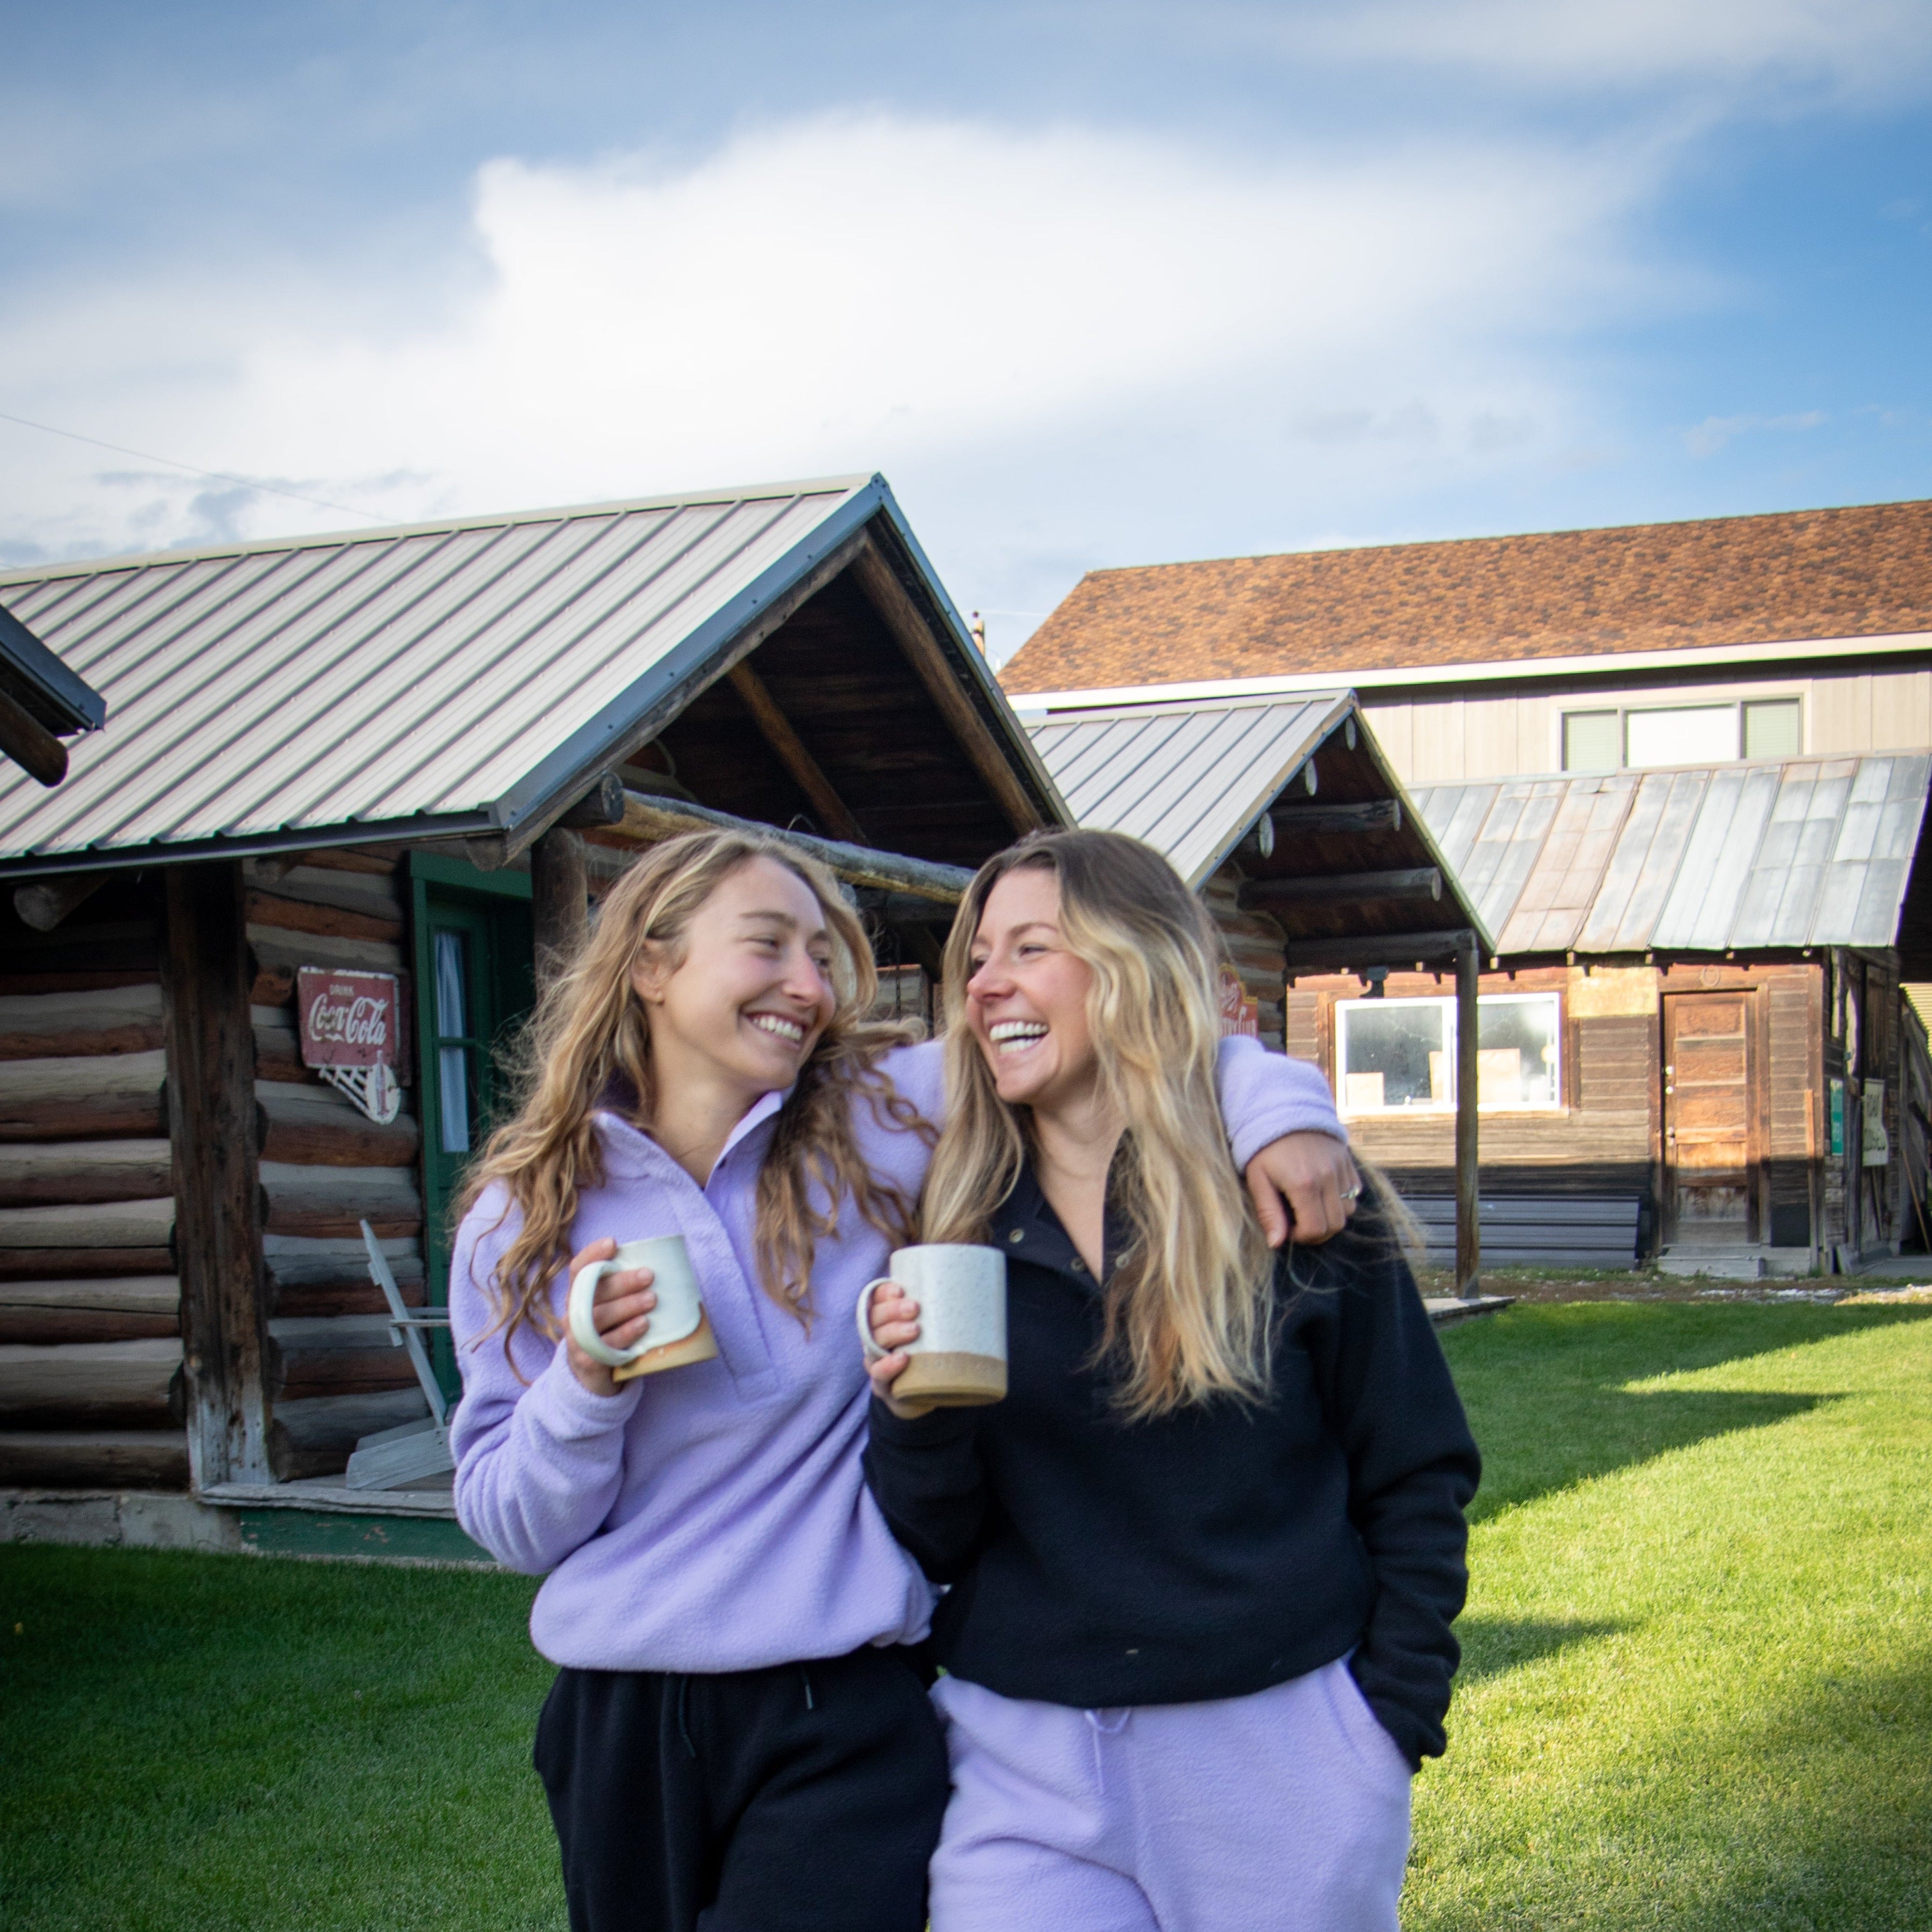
(863,1308)
(583,1322)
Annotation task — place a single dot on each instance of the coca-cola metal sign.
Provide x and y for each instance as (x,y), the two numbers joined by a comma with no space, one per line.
(347,1019)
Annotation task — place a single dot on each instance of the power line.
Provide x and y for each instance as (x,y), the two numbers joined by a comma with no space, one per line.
(194,470)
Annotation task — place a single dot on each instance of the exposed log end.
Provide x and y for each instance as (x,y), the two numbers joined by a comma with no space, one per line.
(603,804)
(44,903)
(30,744)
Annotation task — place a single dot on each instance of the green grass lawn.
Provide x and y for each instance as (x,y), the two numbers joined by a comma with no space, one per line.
(1698,1691)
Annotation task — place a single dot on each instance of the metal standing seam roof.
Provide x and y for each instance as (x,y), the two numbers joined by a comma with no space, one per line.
(1189,779)
(1804,852)
(441,678)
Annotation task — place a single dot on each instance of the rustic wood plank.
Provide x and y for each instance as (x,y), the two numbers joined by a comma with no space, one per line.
(875,576)
(776,729)
(214,1124)
(313,1125)
(120,1309)
(1374,814)
(314,1434)
(94,1458)
(1416,882)
(349,1355)
(54,1026)
(335,922)
(107,1224)
(105,1384)
(84,1097)
(33,1264)
(335,1200)
(278,955)
(46,1172)
(647,819)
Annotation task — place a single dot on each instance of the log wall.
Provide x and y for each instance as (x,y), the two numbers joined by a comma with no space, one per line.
(326,1166)
(90,1298)
(1259,948)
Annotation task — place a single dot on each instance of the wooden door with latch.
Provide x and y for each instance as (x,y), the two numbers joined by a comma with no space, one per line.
(1708,1114)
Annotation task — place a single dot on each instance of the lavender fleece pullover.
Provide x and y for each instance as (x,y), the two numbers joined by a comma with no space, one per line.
(716,1517)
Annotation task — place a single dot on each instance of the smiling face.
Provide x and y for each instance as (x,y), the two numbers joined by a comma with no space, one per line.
(1026,1001)
(746,1004)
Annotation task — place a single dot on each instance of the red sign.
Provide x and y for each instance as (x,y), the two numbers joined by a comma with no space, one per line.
(347,1019)
(1239,1014)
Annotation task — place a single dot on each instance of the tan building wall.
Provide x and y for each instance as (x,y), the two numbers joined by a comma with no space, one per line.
(1450,740)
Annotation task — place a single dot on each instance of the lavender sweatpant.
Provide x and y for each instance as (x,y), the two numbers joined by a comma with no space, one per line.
(1286,1811)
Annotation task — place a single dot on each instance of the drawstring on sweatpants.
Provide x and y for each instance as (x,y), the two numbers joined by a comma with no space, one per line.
(683,1721)
(806,1676)
(1105,1724)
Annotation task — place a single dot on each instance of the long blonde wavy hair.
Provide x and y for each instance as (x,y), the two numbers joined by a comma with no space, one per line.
(590,1047)
(1187,1310)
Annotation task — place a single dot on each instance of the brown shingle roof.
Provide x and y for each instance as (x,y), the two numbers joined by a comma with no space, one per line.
(1864,572)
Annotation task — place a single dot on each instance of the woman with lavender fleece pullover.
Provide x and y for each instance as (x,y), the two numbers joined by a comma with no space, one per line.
(736,1739)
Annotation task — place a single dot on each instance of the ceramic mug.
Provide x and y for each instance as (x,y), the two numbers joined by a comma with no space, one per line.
(960,1359)
(680,1330)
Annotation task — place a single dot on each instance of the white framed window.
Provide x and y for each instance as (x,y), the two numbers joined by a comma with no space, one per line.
(1636,737)
(1399,1056)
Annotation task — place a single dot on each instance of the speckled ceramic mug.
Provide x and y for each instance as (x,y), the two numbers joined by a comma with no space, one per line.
(959,1360)
(680,1330)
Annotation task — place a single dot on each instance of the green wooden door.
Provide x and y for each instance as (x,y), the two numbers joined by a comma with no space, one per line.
(475,986)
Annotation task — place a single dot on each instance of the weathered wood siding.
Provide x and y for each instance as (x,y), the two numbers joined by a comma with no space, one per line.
(90,1299)
(325,1165)
(1257,947)
(1607,1136)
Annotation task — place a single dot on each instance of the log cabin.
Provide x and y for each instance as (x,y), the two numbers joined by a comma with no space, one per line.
(423,753)
(1680,769)
(1287,819)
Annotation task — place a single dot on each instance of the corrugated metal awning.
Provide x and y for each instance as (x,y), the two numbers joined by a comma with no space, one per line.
(1807,852)
(1188,779)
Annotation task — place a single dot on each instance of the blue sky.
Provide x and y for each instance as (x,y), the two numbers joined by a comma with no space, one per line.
(1092,284)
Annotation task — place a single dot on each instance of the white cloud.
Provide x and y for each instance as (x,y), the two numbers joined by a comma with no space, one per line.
(1711,434)
(952,302)
(1842,47)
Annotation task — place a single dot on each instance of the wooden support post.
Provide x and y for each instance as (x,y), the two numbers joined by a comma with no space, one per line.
(212,1129)
(1468,1217)
(559,900)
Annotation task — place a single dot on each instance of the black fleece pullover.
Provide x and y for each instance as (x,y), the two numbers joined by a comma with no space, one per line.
(1214,1551)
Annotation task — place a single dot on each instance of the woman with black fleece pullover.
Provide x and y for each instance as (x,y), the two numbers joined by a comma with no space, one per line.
(1204,1558)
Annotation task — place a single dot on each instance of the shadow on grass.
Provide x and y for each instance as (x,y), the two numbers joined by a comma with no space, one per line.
(1544,1386)
(1814,1814)
(1827,1800)
(1492,1645)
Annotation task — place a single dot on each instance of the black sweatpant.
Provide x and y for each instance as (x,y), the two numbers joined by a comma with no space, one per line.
(803,1798)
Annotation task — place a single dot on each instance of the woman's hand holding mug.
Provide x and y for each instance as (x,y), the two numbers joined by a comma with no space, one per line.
(622,1312)
(895,1323)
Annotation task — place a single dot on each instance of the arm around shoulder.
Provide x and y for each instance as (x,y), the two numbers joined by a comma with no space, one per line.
(1266,1095)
